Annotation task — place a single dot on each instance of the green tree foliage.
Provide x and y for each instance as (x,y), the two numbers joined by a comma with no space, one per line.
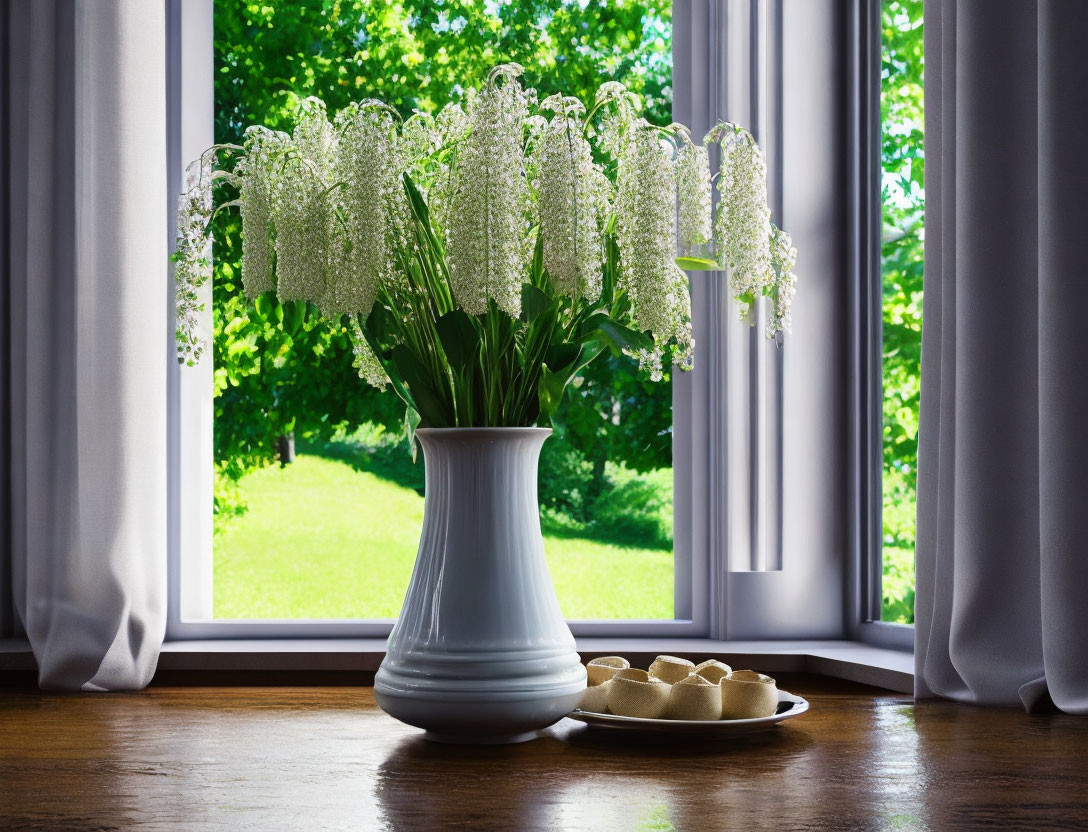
(617,414)
(278,368)
(903,197)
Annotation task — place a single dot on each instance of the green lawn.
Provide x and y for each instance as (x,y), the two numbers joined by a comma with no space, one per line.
(324,540)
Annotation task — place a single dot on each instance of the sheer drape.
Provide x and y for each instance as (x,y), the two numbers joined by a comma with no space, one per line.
(84,277)
(1002,609)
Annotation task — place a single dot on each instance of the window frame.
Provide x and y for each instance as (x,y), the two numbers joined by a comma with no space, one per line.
(704,473)
(866,314)
(190,118)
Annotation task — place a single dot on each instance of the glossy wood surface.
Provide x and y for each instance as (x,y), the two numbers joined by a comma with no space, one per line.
(176,758)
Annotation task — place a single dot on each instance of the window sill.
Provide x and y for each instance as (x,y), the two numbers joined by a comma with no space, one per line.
(355,660)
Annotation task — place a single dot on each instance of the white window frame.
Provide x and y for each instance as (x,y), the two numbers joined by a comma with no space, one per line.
(189,613)
(739,572)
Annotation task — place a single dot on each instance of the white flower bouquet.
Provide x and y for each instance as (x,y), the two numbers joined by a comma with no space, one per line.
(482,257)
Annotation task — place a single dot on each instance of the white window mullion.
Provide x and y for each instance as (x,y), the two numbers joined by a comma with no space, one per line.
(190,129)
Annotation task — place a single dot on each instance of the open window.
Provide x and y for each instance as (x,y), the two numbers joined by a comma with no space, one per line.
(733,502)
(317,499)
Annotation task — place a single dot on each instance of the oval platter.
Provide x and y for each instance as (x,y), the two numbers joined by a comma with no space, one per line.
(789,706)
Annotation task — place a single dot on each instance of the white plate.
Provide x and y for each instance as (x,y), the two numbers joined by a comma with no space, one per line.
(789,706)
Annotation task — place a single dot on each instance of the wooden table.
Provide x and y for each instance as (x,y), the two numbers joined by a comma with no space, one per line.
(305,759)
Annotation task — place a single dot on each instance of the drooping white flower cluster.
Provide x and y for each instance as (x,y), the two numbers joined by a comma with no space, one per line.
(303,213)
(328,199)
(192,260)
(694,217)
(573,200)
(452,125)
(620,115)
(744,218)
(329,211)
(486,231)
(264,157)
(646,236)
(783,261)
(646,225)
(417,138)
(413,146)
(368,180)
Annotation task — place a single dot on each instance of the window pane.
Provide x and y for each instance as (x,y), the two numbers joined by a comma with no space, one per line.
(903,199)
(333,534)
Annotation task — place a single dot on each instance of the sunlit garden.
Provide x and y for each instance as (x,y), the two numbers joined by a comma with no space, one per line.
(335,536)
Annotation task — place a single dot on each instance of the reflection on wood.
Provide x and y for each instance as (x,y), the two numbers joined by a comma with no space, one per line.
(325,758)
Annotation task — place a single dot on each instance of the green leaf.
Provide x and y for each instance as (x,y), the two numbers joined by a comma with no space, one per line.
(432,411)
(611,269)
(460,338)
(534,303)
(550,389)
(416,202)
(381,323)
(563,364)
(293,315)
(601,327)
(561,356)
(263,304)
(390,367)
(411,422)
(536,268)
(697,264)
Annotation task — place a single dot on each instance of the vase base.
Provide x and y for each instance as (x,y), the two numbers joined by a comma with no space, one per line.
(480,739)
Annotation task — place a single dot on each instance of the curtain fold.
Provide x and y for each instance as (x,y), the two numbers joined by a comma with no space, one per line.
(85,282)
(1002,549)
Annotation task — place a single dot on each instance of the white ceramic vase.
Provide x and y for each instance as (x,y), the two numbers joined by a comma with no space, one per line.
(481,652)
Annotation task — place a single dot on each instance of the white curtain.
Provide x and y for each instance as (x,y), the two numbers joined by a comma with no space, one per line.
(85,286)
(1002,551)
